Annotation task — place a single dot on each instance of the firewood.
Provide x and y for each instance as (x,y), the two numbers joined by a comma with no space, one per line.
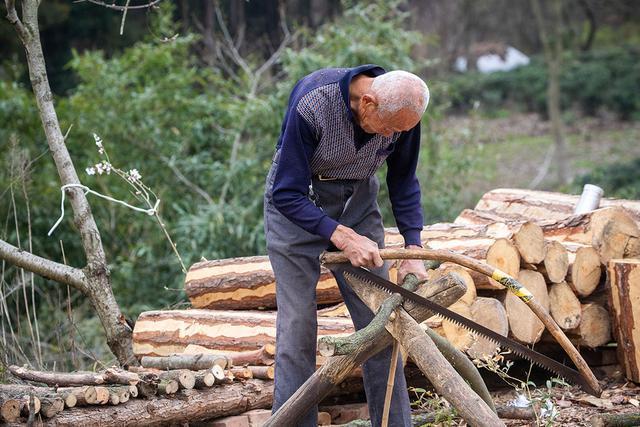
(564,306)
(185,378)
(584,269)
(168,386)
(204,379)
(490,313)
(470,295)
(624,293)
(262,372)
(66,395)
(338,310)
(529,240)
(461,338)
(245,283)
(241,373)
(524,325)
(114,398)
(615,420)
(51,406)
(102,395)
(193,362)
(221,331)
(594,329)
(133,391)
(555,265)
(504,256)
(9,408)
(533,205)
(262,356)
(109,376)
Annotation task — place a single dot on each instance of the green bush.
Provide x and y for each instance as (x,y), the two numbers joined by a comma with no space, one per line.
(620,180)
(604,79)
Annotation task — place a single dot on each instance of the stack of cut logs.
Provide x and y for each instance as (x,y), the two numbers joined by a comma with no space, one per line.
(532,235)
(155,378)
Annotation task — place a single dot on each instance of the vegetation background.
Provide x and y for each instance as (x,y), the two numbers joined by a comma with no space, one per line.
(192,95)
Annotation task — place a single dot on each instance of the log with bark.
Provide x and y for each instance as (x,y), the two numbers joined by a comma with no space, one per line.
(194,362)
(68,398)
(109,376)
(202,405)
(161,333)
(245,283)
(536,205)
(624,297)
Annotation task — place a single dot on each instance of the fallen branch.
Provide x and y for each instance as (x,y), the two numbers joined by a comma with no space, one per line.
(66,379)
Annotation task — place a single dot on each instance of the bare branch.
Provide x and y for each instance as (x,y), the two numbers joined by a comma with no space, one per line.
(237,58)
(12,17)
(122,8)
(43,267)
(186,181)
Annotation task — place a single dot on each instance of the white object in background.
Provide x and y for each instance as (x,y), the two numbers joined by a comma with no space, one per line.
(491,63)
(589,200)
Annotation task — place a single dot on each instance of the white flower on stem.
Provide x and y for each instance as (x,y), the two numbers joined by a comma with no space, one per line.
(90,171)
(99,168)
(98,141)
(134,175)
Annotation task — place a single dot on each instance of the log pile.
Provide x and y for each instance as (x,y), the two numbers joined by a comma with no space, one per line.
(227,342)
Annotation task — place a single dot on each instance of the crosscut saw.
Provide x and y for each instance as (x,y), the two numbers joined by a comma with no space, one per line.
(351,273)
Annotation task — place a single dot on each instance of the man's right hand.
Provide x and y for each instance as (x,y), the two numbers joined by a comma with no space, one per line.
(361,251)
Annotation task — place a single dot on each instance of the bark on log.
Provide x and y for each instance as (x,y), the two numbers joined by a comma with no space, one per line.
(194,362)
(615,420)
(51,406)
(244,283)
(67,397)
(185,378)
(336,369)
(555,265)
(160,333)
(261,356)
(168,386)
(84,395)
(204,379)
(564,306)
(594,329)
(624,294)
(241,373)
(110,376)
(202,405)
(524,325)
(490,313)
(535,205)
(262,372)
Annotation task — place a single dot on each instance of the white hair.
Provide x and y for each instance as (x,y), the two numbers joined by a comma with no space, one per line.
(399,90)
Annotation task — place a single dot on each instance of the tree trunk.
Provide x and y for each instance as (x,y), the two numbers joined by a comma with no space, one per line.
(244,283)
(98,284)
(162,333)
(624,293)
(205,404)
(537,206)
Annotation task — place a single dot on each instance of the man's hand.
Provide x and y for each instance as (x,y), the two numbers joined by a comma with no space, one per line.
(413,266)
(361,251)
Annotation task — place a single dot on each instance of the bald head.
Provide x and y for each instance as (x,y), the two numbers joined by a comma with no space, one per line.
(400,90)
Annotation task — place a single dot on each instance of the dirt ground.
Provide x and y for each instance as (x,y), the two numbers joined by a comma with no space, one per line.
(576,408)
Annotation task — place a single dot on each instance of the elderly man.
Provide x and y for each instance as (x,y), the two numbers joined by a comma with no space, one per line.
(341,125)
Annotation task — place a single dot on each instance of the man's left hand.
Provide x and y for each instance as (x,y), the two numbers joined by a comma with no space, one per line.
(411,266)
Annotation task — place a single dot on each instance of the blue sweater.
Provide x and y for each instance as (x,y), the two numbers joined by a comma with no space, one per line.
(319,136)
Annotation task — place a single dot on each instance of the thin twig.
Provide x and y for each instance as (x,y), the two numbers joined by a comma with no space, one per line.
(124,16)
(121,8)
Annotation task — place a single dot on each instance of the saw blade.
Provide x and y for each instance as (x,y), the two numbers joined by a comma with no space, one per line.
(539,359)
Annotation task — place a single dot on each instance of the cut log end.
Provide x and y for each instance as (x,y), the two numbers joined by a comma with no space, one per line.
(564,306)
(529,240)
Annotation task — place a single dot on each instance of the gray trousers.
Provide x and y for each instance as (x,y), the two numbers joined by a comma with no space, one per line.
(294,255)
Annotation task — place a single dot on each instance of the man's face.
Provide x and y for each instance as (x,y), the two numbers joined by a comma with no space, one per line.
(386,124)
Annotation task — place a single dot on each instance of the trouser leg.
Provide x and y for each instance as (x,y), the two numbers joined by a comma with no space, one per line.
(363,215)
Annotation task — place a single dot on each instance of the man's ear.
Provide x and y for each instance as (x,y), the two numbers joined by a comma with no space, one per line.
(368,99)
